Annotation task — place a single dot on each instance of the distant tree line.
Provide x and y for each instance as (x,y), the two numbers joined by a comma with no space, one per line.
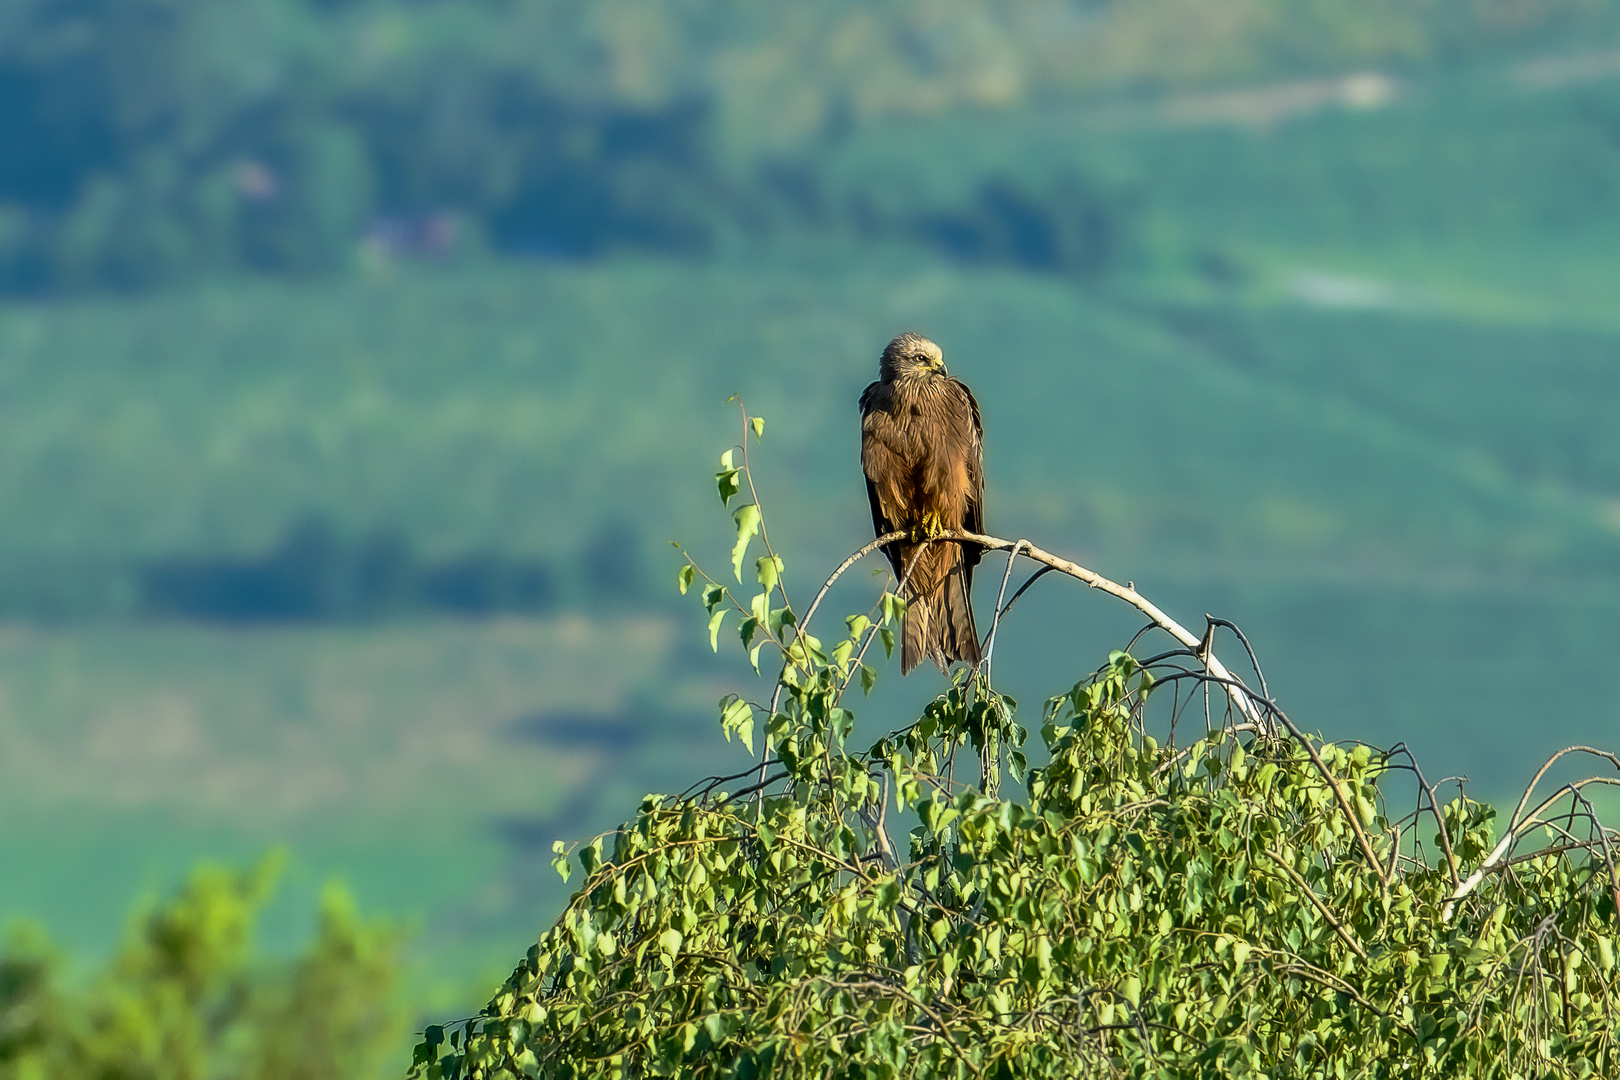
(140,147)
(148,141)
(315,573)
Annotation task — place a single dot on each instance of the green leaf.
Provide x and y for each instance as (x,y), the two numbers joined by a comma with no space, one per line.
(888,642)
(778,620)
(749,627)
(714,629)
(748,520)
(868,679)
(814,655)
(841,722)
(769,568)
(684,578)
(727,484)
(759,427)
(670,941)
(726,479)
(713,597)
(737,715)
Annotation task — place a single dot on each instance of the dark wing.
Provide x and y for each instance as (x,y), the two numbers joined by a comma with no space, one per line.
(881,525)
(973,520)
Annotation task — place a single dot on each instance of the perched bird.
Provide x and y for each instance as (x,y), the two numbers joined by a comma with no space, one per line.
(923,454)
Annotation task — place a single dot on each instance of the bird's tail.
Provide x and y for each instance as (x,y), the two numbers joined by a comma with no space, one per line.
(939,615)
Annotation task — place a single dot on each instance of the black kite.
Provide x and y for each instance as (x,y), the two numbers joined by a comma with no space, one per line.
(923,454)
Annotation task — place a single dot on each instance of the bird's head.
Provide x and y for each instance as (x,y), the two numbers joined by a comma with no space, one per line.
(911,356)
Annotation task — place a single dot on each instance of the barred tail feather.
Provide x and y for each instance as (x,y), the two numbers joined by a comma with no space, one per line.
(914,635)
(959,638)
(939,625)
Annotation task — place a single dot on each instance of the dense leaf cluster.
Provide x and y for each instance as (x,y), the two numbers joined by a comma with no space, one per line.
(1151,911)
(1246,902)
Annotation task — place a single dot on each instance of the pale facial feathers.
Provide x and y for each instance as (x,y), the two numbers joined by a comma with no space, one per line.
(909,356)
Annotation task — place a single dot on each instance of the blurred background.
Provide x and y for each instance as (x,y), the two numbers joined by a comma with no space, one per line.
(359,358)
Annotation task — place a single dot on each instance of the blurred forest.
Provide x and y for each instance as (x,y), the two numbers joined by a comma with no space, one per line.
(188,997)
(150,141)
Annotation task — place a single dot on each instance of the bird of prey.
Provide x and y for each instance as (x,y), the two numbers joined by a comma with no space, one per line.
(923,455)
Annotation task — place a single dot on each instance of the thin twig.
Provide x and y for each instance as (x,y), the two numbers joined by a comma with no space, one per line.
(709,783)
(990,639)
(1339,795)
(1244,699)
(939,1024)
(801,626)
(1517,828)
(1525,798)
(1310,894)
(1603,839)
(764,533)
(1024,588)
(863,552)
(763,783)
(1253,660)
(1434,809)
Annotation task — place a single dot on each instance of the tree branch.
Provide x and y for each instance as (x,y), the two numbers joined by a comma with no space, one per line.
(1245,701)
(1516,826)
(1310,894)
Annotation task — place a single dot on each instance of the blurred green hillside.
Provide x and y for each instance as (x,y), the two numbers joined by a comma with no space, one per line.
(357,354)
(159,140)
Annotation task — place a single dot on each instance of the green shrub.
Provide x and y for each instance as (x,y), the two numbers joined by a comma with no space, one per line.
(184,1001)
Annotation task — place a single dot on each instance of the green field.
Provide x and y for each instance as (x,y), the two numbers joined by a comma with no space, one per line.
(1352,383)
(422,763)
(513,406)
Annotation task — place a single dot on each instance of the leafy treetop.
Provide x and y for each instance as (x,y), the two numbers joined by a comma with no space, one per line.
(1180,891)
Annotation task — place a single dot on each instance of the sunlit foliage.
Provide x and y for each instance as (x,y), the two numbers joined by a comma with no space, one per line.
(1237,901)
